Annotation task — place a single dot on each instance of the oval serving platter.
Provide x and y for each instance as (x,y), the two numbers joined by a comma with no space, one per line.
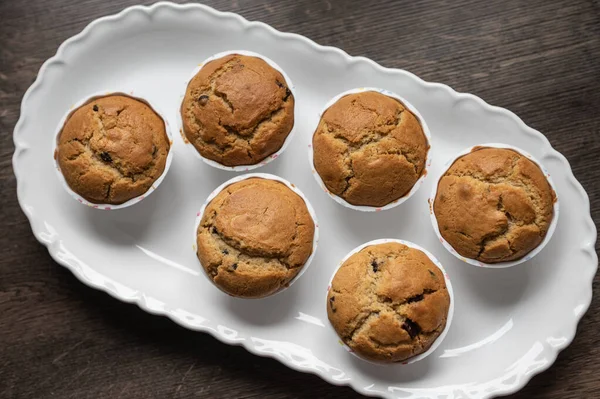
(141,254)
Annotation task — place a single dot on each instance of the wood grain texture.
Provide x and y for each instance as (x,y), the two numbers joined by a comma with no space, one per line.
(59,338)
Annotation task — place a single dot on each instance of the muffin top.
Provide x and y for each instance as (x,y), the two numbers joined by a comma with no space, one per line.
(494,205)
(254,237)
(369,149)
(237,110)
(112,149)
(388,302)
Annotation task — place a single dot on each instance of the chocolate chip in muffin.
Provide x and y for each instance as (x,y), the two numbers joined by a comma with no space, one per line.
(374,265)
(411,328)
(203,99)
(95,108)
(105,156)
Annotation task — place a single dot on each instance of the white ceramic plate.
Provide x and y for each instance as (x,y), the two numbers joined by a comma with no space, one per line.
(508,325)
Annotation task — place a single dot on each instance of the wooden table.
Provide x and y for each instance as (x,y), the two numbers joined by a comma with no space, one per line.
(59,338)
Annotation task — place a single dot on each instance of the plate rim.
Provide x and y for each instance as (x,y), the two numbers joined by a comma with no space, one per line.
(88,276)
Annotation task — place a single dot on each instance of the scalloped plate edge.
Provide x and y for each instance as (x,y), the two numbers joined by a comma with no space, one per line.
(150,305)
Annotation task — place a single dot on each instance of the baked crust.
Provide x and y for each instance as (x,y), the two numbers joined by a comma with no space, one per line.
(237,110)
(369,149)
(254,237)
(494,205)
(112,149)
(388,302)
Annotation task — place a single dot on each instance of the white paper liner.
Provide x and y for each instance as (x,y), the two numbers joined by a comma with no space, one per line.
(267,176)
(87,100)
(439,339)
(239,168)
(418,183)
(475,262)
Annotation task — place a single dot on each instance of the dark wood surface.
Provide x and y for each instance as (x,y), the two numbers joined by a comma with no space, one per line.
(59,338)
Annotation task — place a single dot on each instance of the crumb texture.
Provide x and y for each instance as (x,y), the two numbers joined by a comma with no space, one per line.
(237,110)
(369,149)
(494,205)
(112,149)
(254,237)
(388,302)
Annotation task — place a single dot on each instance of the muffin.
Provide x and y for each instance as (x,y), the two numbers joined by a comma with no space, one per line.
(369,149)
(112,149)
(254,237)
(237,110)
(388,302)
(493,205)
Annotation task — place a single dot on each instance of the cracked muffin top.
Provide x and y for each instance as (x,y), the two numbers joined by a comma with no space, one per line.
(237,110)
(388,302)
(112,149)
(494,205)
(254,237)
(369,149)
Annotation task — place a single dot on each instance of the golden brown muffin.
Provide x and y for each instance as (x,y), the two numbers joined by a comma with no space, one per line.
(494,205)
(254,237)
(388,302)
(237,110)
(112,149)
(369,149)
